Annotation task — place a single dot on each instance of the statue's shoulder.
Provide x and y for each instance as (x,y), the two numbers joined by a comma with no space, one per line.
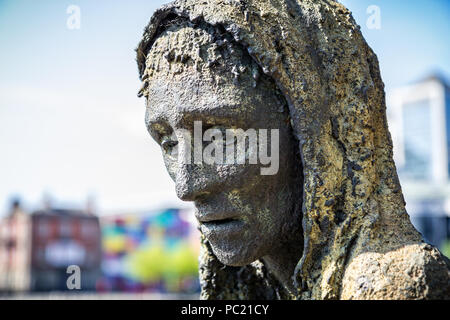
(415,271)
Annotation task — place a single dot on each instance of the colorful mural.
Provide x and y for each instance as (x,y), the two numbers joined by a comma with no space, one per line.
(150,252)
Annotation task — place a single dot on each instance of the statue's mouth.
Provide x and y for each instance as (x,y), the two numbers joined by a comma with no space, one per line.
(218,222)
(222,225)
(211,214)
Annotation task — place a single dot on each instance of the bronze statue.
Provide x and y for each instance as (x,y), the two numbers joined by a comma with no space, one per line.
(330,221)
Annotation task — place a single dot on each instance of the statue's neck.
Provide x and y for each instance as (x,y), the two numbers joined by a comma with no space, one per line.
(283,261)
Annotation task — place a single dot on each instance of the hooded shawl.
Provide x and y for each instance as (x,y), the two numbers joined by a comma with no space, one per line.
(358,239)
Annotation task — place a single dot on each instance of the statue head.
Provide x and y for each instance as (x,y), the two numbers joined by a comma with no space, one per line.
(323,196)
(203,85)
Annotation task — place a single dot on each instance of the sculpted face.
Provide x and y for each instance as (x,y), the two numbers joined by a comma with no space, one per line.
(243,214)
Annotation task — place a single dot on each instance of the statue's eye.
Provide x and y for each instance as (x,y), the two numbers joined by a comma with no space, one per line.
(168,145)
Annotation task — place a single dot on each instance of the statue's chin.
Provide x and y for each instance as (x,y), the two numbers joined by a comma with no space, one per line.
(234,257)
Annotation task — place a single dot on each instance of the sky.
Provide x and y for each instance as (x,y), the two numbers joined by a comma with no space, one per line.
(72,127)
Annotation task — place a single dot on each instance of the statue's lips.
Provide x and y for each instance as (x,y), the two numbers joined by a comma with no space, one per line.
(208,215)
(218,221)
(223,226)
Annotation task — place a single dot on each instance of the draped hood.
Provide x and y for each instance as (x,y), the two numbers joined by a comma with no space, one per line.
(358,238)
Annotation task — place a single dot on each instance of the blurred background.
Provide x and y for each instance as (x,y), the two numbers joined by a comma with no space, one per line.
(82,183)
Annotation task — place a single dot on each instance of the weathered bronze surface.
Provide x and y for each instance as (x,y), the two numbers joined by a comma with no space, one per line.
(332,223)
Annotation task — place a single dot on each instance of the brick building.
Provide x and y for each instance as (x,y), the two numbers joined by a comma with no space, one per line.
(36,249)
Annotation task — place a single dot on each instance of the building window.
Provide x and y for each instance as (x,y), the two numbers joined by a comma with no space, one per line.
(43,228)
(88,229)
(417,141)
(65,228)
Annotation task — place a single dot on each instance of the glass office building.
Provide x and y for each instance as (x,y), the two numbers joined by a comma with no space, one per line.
(419,122)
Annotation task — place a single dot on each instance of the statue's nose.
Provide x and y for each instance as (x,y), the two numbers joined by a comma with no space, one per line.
(193,179)
(192,183)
